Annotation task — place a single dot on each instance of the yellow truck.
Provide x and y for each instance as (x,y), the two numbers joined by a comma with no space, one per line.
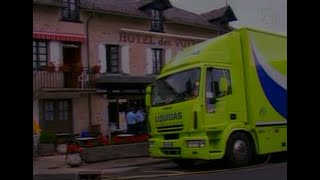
(224,98)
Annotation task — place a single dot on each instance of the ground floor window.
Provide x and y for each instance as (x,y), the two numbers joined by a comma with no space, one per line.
(56,115)
(118,109)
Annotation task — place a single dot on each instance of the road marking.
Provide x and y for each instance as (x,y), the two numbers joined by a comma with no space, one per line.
(247,168)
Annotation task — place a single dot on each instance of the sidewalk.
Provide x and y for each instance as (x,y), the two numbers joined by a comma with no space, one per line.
(56,165)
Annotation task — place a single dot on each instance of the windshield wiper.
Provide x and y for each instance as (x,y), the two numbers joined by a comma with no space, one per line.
(168,102)
(176,100)
(160,104)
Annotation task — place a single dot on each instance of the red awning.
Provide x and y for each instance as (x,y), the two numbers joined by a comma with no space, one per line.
(59,37)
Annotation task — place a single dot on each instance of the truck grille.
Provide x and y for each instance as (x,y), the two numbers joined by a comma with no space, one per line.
(171,151)
(170,128)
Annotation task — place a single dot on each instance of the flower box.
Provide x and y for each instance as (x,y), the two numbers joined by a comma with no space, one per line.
(50,67)
(64,68)
(95,69)
(138,138)
(104,153)
(77,67)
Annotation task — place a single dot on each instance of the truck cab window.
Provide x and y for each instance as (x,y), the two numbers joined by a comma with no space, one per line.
(209,91)
(213,77)
(217,75)
(177,87)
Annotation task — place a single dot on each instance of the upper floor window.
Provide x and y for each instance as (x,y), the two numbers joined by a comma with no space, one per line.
(157,60)
(113,58)
(40,54)
(157,20)
(70,10)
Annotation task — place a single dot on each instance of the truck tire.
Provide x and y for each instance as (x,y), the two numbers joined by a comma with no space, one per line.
(184,163)
(239,150)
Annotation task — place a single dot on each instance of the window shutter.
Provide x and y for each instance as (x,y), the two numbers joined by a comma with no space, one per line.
(125,61)
(168,56)
(55,52)
(102,58)
(149,62)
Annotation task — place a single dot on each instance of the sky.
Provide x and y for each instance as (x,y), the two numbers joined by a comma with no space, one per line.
(270,15)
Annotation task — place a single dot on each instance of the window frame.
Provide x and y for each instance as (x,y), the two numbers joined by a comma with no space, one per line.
(37,54)
(55,113)
(157,22)
(72,14)
(213,93)
(156,61)
(110,59)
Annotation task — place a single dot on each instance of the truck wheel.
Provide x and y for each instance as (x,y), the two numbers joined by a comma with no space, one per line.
(184,163)
(239,150)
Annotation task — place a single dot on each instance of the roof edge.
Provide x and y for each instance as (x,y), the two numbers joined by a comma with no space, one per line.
(48,3)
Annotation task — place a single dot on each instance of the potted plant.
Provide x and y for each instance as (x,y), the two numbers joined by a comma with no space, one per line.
(47,143)
(73,154)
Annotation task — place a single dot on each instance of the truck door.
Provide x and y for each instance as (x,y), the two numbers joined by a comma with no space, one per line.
(217,91)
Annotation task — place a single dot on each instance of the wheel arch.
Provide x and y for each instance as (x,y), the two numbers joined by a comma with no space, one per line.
(250,135)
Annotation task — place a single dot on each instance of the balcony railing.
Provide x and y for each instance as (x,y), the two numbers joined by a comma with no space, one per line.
(53,78)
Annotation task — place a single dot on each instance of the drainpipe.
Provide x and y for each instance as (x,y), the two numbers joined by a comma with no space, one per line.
(89,67)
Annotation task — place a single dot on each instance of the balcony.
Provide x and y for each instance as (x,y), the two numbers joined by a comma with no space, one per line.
(64,80)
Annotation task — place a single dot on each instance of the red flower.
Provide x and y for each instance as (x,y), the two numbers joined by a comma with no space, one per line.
(103,140)
(89,144)
(74,148)
(80,150)
(50,67)
(64,68)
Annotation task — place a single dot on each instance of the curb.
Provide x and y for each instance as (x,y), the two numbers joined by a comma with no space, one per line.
(68,176)
(100,171)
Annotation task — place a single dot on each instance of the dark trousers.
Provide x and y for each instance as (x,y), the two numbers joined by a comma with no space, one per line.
(140,126)
(131,129)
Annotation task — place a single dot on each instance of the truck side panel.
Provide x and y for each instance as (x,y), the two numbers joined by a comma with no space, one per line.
(265,69)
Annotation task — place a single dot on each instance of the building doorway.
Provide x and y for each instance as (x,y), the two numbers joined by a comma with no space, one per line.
(72,60)
(118,108)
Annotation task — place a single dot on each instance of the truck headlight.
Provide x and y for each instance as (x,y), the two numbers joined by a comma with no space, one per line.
(196,143)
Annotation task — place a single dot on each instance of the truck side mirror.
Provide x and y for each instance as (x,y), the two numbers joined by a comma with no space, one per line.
(223,85)
(148,96)
(213,100)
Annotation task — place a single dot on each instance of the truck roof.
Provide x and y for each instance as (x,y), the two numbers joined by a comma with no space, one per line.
(215,48)
(261,31)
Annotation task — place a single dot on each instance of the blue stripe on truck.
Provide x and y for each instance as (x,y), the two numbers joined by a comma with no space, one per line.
(276,95)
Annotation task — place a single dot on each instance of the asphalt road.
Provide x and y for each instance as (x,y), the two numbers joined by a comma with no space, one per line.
(275,169)
(274,172)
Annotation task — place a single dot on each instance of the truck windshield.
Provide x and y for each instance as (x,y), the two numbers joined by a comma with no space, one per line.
(176,88)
